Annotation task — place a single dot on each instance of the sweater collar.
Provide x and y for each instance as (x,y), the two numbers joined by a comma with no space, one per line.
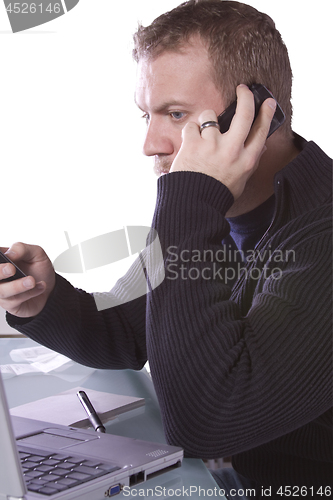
(306,181)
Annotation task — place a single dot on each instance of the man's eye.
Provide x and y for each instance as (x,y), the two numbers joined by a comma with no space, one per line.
(177,115)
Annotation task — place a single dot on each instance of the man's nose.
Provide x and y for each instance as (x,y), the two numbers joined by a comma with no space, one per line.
(157,141)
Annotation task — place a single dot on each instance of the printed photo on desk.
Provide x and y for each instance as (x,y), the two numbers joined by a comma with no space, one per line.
(167,180)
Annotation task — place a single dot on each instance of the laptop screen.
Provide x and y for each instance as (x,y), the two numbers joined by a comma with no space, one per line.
(11,477)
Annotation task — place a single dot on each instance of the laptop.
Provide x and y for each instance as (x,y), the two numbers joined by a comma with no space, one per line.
(39,460)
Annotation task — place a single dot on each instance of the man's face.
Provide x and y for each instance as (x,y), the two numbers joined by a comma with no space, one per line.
(172,90)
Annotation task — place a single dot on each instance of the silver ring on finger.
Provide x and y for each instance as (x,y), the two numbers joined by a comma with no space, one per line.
(210,123)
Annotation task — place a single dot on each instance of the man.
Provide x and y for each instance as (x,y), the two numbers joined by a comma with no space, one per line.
(239,347)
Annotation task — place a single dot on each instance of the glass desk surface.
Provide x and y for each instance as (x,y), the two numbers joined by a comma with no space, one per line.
(191,480)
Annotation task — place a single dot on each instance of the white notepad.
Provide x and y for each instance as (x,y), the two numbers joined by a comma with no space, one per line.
(65,408)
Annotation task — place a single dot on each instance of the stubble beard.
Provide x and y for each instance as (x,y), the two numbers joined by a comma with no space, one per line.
(162,165)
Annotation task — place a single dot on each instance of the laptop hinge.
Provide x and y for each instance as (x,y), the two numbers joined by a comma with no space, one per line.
(16,498)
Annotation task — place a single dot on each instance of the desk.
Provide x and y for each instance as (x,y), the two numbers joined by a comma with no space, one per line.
(191,480)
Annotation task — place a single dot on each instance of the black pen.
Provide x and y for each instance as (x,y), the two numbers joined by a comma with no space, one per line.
(91,412)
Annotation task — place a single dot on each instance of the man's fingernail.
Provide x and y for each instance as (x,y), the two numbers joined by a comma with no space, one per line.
(28,283)
(271,103)
(10,253)
(7,271)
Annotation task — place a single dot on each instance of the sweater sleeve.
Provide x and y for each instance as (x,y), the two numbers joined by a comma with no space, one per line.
(234,369)
(70,323)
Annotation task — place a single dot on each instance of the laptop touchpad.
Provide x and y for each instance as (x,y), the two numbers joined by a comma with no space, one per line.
(55,441)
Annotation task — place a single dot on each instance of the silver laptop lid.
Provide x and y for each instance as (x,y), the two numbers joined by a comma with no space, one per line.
(12,485)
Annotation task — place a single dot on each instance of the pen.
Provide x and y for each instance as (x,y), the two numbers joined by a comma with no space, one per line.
(91,412)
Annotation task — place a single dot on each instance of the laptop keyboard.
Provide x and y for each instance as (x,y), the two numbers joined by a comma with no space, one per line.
(49,473)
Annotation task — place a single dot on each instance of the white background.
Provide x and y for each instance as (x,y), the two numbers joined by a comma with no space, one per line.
(71,135)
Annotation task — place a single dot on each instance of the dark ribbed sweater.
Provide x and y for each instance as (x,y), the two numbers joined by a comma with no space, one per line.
(243,371)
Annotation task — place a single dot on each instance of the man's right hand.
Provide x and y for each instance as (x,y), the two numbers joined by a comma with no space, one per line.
(26,297)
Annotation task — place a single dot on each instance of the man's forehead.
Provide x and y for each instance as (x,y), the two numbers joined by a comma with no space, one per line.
(191,54)
(174,73)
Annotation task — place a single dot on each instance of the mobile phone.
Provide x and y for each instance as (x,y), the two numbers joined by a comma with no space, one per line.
(19,273)
(260,95)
